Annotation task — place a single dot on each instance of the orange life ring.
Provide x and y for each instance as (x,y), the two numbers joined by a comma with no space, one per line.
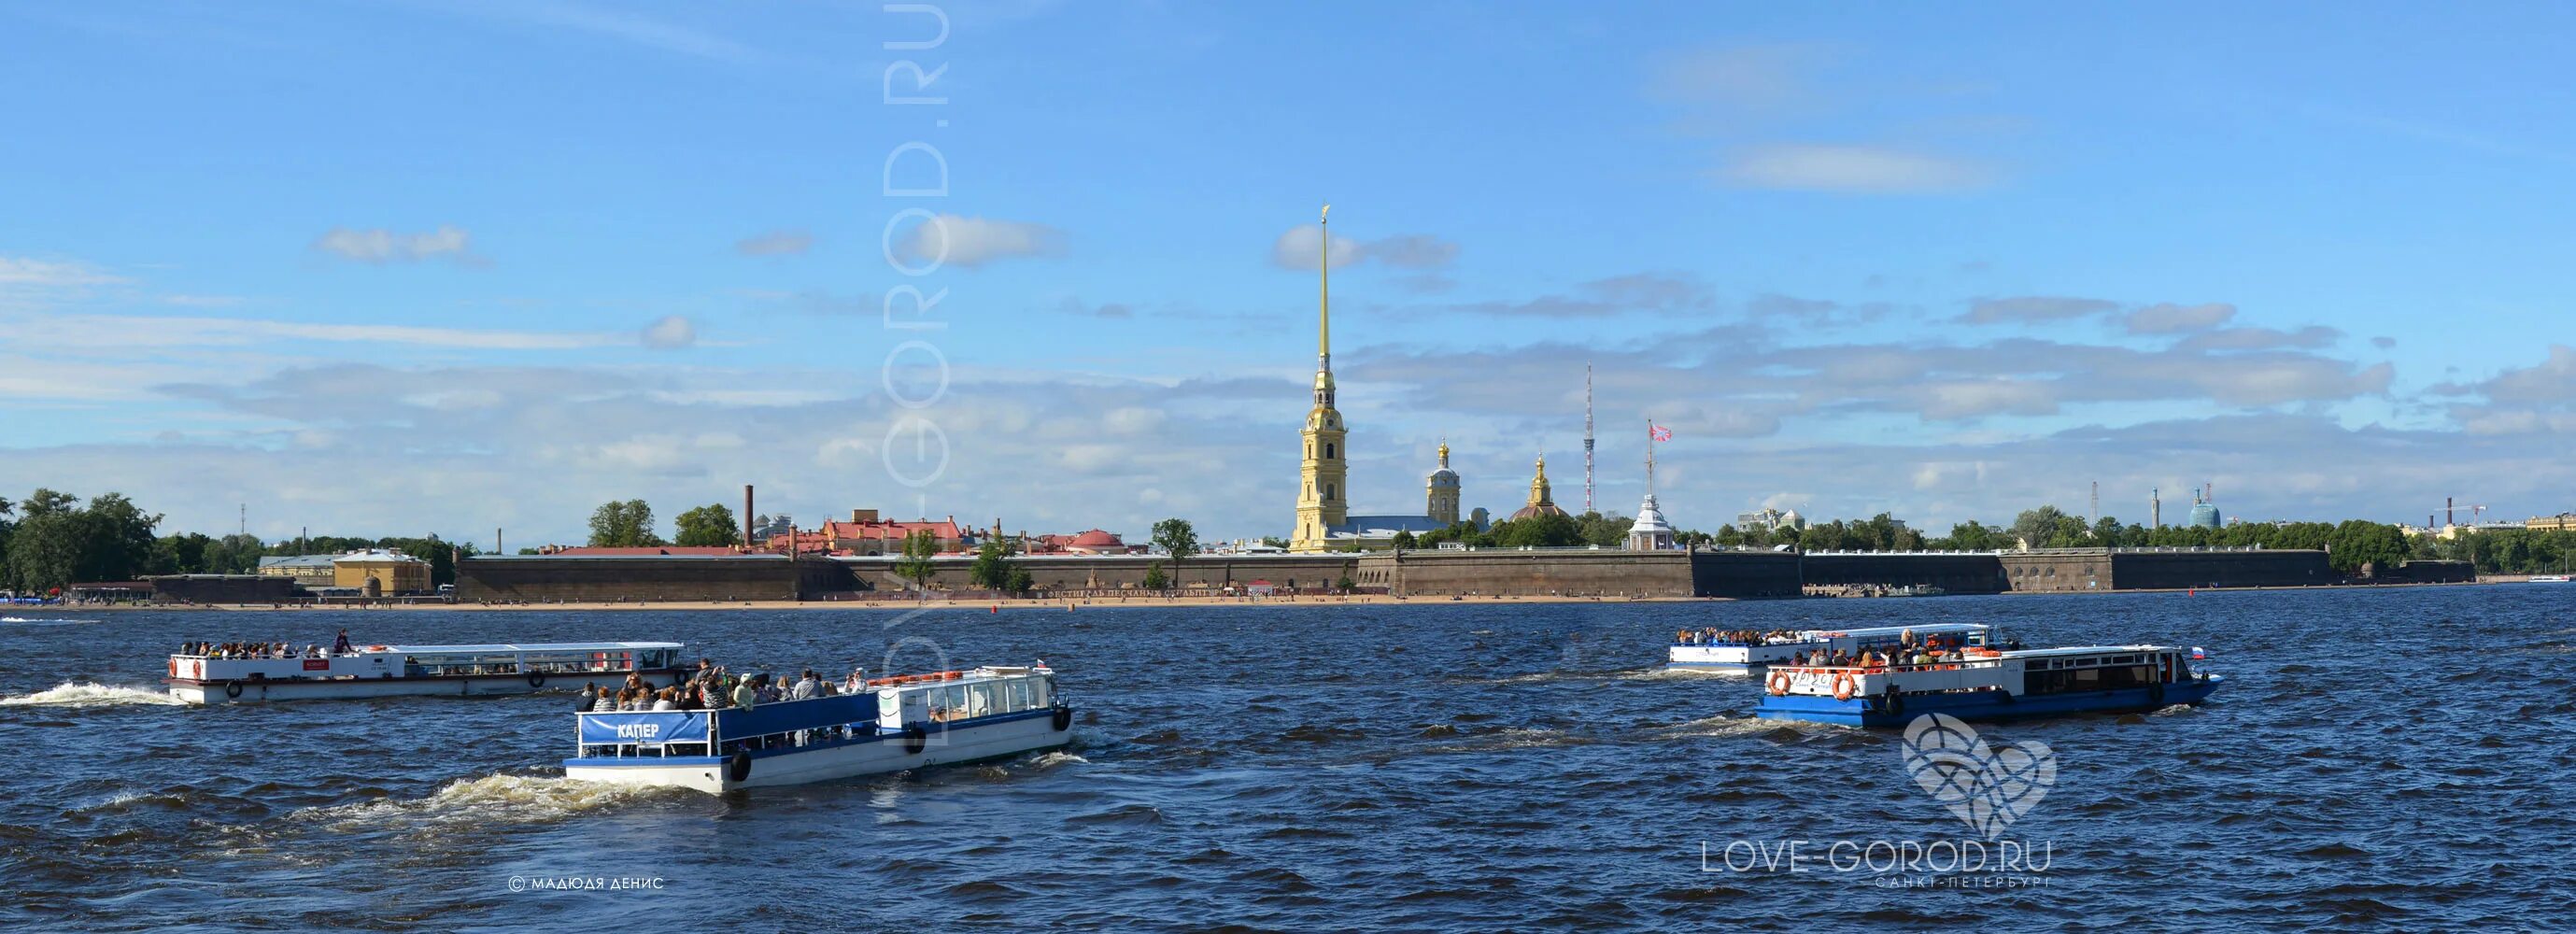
(174,668)
(1779,683)
(1844,686)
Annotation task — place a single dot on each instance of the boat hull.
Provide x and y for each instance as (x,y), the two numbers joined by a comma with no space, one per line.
(1978,705)
(986,740)
(215,692)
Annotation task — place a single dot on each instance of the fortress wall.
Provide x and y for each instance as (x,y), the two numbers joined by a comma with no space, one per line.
(558,579)
(1956,573)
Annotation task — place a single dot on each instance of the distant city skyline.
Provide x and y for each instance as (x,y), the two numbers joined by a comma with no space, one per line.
(444,266)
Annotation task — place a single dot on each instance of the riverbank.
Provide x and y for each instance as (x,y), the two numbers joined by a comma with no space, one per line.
(937,601)
(943,600)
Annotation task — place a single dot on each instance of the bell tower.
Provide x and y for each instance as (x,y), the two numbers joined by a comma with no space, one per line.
(1322,497)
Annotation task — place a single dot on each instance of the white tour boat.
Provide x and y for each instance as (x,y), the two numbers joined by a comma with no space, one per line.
(1701,651)
(1983,684)
(907,722)
(396,670)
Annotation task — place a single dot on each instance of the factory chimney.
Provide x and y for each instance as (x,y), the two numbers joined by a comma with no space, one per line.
(2155,509)
(2447,519)
(746,517)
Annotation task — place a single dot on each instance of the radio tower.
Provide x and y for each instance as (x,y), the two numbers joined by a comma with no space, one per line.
(1587,436)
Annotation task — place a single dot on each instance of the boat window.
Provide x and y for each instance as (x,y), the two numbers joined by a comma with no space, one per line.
(1042,693)
(980,700)
(1019,694)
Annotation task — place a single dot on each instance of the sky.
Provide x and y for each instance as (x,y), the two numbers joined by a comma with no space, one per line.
(448,266)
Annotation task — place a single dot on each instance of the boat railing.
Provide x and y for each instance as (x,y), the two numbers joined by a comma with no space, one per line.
(1959,665)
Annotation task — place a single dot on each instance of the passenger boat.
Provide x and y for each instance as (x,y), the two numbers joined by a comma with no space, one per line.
(907,722)
(1748,658)
(2552,579)
(1990,685)
(396,670)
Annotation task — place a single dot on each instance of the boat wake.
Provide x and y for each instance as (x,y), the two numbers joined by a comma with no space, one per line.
(1660,673)
(1055,758)
(77,694)
(43,622)
(497,799)
(1727,725)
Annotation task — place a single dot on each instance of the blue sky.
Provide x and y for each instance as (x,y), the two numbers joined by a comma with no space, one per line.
(447,266)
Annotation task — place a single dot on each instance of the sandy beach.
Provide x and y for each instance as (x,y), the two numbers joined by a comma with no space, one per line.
(935,601)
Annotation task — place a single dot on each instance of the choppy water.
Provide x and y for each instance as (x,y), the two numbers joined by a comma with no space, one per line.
(2396,759)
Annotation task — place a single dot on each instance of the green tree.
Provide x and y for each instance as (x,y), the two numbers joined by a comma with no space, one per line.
(708,526)
(627,524)
(7,580)
(1548,531)
(992,569)
(1345,584)
(1176,538)
(915,564)
(1593,528)
(60,541)
(1020,581)
(1403,540)
(1154,578)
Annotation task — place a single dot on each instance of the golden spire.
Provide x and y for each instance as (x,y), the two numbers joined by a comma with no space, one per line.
(1444,453)
(1324,320)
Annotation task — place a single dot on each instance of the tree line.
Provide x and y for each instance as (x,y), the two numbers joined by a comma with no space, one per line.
(53,539)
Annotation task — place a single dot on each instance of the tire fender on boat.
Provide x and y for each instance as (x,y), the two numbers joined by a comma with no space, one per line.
(1779,684)
(1063,718)
(738,766)
(2156,693)
(232,689)
(536,679)
(1844,686)
(1893,703)
(914,739)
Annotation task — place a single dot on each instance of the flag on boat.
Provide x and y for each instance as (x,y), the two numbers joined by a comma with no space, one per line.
(2198,655)
(1659,432)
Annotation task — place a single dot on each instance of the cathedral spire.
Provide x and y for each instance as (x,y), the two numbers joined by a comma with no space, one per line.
(1324,300)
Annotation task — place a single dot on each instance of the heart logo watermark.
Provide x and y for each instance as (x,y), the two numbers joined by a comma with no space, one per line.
(1987,788)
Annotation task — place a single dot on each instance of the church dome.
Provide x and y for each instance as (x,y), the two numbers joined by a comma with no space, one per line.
(1097,539)
(1444,477)
(1541,503)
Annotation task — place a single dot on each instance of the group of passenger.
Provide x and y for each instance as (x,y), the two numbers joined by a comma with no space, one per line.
(1931,650)
(1715,636)
(266,650)
(712,687)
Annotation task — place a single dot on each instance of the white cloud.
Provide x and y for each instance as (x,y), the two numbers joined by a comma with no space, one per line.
(2029,309)
(670,332)
(2169,318)
(145,331)
(1850,168)
(1756,78)
(386,246)
(775,243)
(22,271)
(1297,248)
(968,242)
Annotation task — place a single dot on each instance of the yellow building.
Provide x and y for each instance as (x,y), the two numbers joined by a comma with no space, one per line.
(1541,502)
(1322,476)
(2562,522)
(306,571)
(1324,519)
(380,573)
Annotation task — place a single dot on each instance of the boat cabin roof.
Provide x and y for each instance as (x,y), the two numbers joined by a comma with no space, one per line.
(2087,650)
(1918,629)
(526,647)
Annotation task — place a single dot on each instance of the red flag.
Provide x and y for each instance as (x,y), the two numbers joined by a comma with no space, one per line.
(1659,432)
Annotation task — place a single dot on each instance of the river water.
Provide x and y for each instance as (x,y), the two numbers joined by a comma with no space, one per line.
(2392,759)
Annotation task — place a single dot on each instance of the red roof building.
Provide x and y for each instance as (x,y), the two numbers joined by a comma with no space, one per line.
(589,552)
(865,534)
